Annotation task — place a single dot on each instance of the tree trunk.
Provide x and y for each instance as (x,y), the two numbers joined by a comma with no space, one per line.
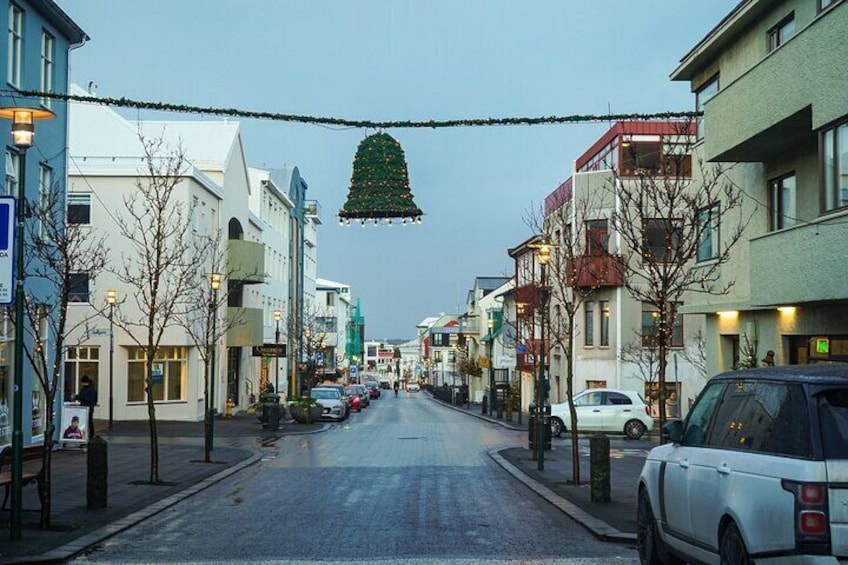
(151,416)
(44,484)
(569,390)
(664,338)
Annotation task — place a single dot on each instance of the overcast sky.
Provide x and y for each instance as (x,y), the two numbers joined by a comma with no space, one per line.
(405,60)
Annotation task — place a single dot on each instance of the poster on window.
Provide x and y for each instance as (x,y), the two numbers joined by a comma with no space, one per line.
(74,425)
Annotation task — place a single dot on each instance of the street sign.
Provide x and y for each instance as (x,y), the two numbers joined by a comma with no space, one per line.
(7,244)
(353,370)
(270,350)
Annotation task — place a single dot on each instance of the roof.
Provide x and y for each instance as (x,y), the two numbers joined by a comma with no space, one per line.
(328,284)
(836,374)
(490,283)
(63,22)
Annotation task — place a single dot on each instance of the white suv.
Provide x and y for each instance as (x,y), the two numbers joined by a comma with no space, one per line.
(758,471)
(604,410)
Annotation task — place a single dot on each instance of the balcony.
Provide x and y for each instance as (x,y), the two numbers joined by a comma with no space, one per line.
(247,327)
(595,271)
(780,102)
(817,275)
(246,261)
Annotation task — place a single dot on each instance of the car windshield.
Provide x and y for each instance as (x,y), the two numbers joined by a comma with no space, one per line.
(325,393)
(833,416)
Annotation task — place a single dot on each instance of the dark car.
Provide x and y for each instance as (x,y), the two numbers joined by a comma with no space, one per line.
(373,389)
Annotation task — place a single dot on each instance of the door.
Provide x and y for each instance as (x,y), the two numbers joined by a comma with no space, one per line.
(617,410)
(589,411)
(833,414)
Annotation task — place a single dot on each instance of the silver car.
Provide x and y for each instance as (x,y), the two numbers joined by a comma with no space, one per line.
(335,407)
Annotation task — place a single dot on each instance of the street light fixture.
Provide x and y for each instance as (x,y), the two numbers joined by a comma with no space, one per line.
(111,300)
(544,257)
(23,131)
(277,316)
(212,351)
(493,394)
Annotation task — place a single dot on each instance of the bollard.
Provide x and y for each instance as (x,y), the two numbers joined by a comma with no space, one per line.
(485,404)
(599,467)
(273,417)
(97,473)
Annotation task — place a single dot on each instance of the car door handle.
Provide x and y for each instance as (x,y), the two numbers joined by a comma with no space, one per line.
(597,410)
(684,463)
(723,469)
(627,410)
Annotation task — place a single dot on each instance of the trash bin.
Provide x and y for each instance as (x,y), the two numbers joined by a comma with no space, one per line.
(532,427)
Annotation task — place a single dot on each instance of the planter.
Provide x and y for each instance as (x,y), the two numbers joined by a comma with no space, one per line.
(306,414)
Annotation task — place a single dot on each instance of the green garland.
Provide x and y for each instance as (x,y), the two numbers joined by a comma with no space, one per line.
(124,102)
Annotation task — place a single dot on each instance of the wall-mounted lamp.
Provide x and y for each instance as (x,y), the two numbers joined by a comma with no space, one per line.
(789,310)
(728,314)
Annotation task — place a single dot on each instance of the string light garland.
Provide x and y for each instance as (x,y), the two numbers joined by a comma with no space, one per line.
(124,102)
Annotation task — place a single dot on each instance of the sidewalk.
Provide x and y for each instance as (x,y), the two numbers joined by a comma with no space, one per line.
(130,498)
(613,521)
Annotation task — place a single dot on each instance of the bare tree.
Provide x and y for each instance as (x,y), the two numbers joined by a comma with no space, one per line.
(202,320)
(696,353)
(668,221)
(58,251)
(163,265)
(645,359)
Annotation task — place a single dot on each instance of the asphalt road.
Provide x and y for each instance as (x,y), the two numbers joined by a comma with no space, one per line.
(406,480)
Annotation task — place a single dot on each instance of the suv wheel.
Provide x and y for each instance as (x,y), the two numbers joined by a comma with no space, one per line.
(557,427)
(732,550)
(634,429)
(652,550)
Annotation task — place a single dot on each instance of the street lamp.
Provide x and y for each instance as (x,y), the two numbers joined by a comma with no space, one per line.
(111,300)
(544,257)
(277,316)
(215,285)
(492,392)
(23,130)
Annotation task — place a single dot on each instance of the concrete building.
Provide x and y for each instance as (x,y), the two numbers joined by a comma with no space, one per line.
(771,79)
(39,39)
(334,314)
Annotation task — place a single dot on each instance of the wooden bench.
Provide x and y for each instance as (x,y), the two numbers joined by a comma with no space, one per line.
(30,453)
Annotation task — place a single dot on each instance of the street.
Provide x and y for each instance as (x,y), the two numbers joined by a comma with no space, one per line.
(404,480)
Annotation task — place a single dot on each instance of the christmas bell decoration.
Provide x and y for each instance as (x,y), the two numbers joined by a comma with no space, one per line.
(379,186)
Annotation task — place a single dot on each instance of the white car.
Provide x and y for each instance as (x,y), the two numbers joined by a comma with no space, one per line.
(412,387)
(335,407)
(758,472)
(604,410)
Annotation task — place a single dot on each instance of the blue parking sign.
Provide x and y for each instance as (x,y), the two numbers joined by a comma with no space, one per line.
(7,245)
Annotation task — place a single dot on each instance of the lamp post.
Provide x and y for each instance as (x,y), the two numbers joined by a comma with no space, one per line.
(277,316)
(111,300)
(492,392)
(544,257)
(23,130)
(215,284)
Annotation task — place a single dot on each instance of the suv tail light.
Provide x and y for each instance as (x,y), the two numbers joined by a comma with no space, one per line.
(812,522)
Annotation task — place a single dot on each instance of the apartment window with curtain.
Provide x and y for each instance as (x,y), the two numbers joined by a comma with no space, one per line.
(597,237)
(660,238)
(708,244)
(834,164)
(702,95)
(780,34)
(650,317)
(79,209)
(603,306)
(46,66)
(15,45)
(782,202)
(589,324)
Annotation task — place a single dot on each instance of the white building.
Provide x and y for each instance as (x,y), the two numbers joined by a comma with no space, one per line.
(333,313)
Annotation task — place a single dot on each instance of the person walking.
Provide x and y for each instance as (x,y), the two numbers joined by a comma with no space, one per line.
(87,396)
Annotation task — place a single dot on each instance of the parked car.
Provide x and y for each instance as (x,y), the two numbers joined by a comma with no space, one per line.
(373,389)
(335,408)
(412,387)
(362,392)
(604,410)
(757,471)
(342,393)
(354,400)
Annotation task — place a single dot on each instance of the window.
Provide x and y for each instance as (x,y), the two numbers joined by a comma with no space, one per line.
(650,321)
(823,4)
(616,399)
(782,202)
(780,34)
(597,237)
(78,287)
(603,305)
(16,30)
(835,167)
(708,245)
(80,361)
(169,374)
(589,318)
(590,399)
(13,173)
(596,384)
(331,300)
(702,95)
(660,239)
(45,184)
(46,66)
(641,155)
(79,209)
(701,416)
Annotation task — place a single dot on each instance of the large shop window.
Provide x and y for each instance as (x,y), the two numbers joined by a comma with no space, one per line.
(835,167)
(169,374)
(80,361)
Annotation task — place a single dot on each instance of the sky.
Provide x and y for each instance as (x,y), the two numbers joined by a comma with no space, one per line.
(404,60)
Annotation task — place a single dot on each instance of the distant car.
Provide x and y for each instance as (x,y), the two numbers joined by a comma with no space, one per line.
(385,385)
(412,387)
(362,392)
(604,410)
(335,408)
(354,400)
(758,472)
(342,393)
(373,389)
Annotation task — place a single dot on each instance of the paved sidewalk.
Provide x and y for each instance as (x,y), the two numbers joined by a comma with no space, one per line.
(614,520)
(238,443)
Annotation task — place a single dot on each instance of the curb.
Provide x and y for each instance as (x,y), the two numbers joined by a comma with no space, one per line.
(502,424)
(599,528)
